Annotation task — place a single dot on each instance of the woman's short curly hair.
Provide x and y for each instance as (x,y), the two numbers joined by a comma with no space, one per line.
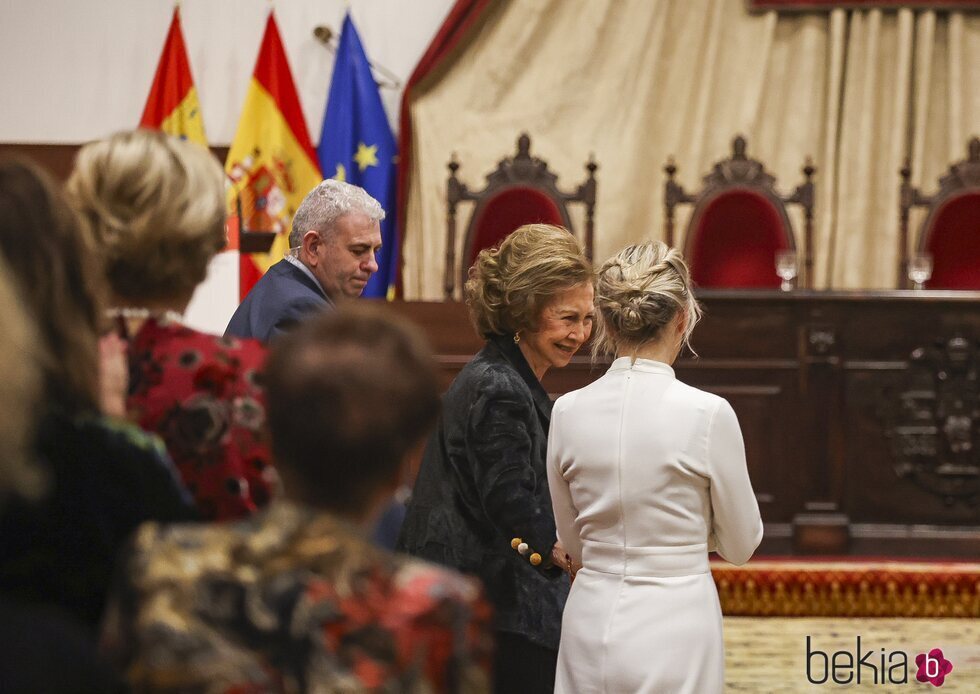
(509,285)
(639,291)
(156,205)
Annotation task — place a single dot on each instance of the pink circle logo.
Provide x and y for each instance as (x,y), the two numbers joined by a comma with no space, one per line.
(933,667)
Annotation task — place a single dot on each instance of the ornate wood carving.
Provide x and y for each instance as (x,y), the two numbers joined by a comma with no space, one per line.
(962,176)
(932,425)
(822,340)
(741,171)
(524,171)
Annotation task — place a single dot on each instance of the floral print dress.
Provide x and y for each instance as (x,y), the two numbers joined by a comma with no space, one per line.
(202,395)
(292,599)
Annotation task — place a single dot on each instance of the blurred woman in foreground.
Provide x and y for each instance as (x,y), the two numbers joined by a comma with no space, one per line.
(43,650)
(105,476)
(481,503)
(157,208)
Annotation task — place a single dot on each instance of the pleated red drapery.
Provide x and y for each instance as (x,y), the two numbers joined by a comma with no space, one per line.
(462,19)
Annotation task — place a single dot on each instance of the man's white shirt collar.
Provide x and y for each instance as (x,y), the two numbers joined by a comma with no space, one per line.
(293,260)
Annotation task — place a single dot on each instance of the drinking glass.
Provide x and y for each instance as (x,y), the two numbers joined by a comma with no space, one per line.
(786,268)
(920,269)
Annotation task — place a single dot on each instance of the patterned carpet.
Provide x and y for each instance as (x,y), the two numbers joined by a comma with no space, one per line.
(768,654)
(853,588)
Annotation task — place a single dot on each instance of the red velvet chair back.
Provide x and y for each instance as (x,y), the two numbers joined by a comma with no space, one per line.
(522,190)
(951,235)
(733,240)
(739,223)
(951,230)
(496,217)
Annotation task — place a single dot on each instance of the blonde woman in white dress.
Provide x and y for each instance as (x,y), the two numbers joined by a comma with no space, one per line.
(647,476)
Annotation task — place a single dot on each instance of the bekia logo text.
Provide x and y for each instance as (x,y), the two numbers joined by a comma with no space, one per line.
(873,667)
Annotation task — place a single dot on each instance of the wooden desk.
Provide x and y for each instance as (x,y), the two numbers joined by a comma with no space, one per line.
(860,411)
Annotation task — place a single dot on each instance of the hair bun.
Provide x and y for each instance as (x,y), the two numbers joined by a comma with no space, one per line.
(639,292)
(631,316)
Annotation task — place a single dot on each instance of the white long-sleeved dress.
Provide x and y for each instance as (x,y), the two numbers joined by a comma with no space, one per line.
(647,475)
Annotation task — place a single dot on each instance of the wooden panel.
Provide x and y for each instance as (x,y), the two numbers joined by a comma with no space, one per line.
(59,159)
(865,404)
(759,399)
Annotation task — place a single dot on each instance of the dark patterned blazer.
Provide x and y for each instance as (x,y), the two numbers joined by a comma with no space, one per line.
(483,482)
(283,297)
(291,599)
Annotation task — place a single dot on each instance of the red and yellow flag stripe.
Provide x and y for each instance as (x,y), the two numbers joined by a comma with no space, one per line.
(172,105)
(271,162)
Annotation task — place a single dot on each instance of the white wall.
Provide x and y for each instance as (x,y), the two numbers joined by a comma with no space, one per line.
(76,70)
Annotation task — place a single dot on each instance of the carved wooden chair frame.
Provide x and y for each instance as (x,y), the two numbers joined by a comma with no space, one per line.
(962,176)
(520,171)
(740,171)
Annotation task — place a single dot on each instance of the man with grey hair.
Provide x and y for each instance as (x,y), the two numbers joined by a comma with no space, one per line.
(334,239)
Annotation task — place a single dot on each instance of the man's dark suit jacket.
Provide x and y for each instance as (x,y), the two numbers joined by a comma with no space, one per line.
(282,298)
(483,482)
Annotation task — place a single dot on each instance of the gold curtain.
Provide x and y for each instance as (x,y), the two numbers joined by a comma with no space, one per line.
(635,81)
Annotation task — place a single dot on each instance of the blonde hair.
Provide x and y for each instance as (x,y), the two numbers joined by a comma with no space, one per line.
(20,390)
(156,205)
(509,285)
(639,291)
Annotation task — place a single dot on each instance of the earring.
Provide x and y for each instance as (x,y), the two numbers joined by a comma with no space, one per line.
(517,337)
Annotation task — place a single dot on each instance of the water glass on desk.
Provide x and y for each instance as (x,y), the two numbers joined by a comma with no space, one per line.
(920,269)
(786,268)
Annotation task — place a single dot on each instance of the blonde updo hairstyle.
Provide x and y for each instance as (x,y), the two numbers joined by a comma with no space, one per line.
(156,205)
(509,285)
(639,291)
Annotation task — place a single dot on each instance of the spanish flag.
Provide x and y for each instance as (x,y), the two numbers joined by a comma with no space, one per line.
(271,163)
(172,105)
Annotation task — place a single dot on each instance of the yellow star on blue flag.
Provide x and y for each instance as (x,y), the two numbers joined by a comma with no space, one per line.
(357,143)
(366,156)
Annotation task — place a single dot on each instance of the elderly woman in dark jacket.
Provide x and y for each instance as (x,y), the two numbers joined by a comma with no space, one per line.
(481,503)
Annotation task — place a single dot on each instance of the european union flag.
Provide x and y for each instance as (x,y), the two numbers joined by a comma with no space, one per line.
(357,145)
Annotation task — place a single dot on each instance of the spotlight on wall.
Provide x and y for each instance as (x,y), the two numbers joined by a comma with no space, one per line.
(388,79)
(323,34)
